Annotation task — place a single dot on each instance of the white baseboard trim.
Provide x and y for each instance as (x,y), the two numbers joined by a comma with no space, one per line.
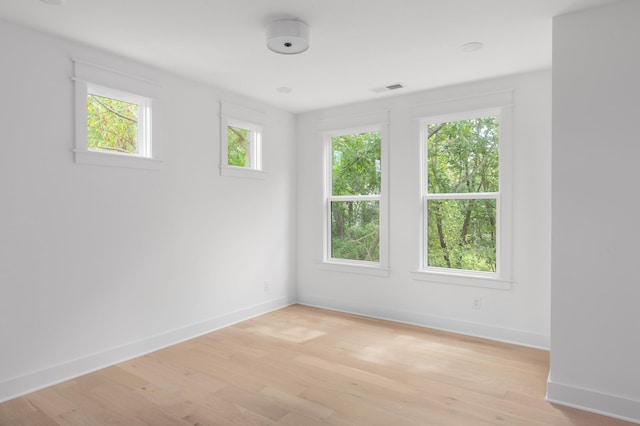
(501,334)
(36,380)
(595,402)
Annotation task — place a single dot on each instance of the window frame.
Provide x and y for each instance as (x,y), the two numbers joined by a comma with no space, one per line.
(103,81)
(232,115)
(498,105)
(350,265)
(144,143)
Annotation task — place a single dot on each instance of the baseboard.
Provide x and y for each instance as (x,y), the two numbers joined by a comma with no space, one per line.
(501,334)
(595,402)
(31,382)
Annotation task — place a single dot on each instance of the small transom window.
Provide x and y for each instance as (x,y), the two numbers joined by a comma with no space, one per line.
(118,122)
(241,141)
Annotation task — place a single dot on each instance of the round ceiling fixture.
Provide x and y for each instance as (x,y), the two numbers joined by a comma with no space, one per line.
(474,46)
(288,37)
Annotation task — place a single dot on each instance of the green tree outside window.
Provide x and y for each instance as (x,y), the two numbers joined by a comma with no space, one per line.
(462,158)
(355,171)
(238,146)
(112,125)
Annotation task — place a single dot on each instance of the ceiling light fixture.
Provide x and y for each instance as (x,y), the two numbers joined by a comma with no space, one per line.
(288,37)
(53,2)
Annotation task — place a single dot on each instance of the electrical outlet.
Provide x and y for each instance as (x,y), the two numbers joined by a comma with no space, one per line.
(477,303)
(267,285)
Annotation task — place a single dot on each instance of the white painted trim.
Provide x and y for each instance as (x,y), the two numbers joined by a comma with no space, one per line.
(464,278)
(85,71)
(249,119)
(81,64)
(105,81)
(494,104)
(99,158)
(596,402)
(354,267)
(485,331)
(456,106)
(243,113)
(363,124)
(353,122)
(242,172)
(21,385)
(355,197)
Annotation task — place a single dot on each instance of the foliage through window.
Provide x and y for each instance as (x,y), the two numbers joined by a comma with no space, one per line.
(241,141)
(113,117)
(242,147)
(117,122)
(354,197)
(462,196)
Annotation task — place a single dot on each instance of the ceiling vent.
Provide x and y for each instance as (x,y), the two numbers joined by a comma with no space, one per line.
(388,88)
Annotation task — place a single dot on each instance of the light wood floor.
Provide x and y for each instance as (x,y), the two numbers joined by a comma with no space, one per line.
(306,366)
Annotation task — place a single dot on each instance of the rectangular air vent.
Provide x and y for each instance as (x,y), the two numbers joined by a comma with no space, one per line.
(387,88)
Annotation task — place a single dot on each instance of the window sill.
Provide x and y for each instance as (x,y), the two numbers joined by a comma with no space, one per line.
(354,268)
(242,172)
(116,160)
(462,279)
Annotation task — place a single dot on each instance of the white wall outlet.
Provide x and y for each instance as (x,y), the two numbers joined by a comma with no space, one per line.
(267,285)
(477,303)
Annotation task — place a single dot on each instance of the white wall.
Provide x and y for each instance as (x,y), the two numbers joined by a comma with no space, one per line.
(595,339)
(99,264)
(518,315)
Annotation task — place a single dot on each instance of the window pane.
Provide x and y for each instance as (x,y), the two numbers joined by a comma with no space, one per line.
(462,234)
(462,156)
(112,125)
(238,146)
(355,232)
(356,164)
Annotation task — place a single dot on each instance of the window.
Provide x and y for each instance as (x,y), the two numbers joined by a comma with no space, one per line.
(355,209)
(118,122)
(114,118)
(464,212)
(241,147)
(462,194)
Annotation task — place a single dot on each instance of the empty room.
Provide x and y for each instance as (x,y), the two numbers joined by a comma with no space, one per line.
(299,212)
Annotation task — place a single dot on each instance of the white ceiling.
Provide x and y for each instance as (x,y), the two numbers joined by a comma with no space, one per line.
(356,45)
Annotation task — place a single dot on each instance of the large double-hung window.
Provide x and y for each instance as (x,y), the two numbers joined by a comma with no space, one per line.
(466,196)
(355,201)
(462,194)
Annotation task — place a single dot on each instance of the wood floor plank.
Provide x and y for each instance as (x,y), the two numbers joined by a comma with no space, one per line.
(308,366)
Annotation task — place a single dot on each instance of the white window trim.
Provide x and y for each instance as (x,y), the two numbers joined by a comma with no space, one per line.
(380,268)
(351,268)
(493,104)
(249,119)
(105,81)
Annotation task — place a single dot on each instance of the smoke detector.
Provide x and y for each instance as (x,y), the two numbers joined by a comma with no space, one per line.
(288,36)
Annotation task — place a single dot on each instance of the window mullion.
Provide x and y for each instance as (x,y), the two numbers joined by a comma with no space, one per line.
(354,198)
(463,196)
